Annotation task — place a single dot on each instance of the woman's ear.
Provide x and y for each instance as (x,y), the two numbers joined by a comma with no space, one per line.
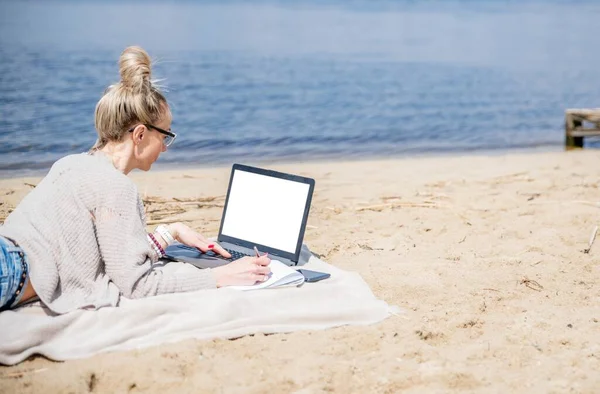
(138,134)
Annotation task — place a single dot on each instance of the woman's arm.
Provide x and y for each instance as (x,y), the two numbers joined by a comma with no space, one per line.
(128,257)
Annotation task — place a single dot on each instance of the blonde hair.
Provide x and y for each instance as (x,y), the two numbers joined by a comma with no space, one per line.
(134,100)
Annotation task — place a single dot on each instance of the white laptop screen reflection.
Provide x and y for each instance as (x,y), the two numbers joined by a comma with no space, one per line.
(265,210)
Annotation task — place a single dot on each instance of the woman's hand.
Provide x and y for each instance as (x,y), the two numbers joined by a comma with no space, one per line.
(243,272)
(189,237)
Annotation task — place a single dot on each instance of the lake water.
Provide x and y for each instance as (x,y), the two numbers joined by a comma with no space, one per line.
(269,81)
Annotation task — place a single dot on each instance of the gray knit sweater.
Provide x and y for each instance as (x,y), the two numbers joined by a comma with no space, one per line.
(83,231)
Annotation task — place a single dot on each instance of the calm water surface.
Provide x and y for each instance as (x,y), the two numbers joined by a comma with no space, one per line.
(263,81)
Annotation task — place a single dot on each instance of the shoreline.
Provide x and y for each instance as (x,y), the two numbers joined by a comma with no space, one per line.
(189,166)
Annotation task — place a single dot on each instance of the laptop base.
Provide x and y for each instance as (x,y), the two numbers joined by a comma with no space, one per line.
(188,254)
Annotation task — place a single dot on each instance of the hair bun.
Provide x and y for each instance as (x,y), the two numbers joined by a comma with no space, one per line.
(135,70)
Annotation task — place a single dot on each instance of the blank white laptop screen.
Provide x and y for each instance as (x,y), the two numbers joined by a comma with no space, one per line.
(265,210)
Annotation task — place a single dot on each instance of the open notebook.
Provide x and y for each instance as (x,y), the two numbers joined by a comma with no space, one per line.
(281,275)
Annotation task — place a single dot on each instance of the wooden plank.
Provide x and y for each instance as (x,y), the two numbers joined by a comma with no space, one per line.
(574,125)
(584,133)
(590,115)
(571,123)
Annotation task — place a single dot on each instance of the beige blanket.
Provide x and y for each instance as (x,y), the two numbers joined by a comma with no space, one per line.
(343,299)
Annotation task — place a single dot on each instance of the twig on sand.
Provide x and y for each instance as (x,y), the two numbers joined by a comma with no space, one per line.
(367,247)
(198,199)
(489,289)
(591,241)
(532,196)
(166,220)
(20,374)
(387,198)
(153,200)
(336,210)
(380,207)
(165,211)
(508,176)
(29,184)
(161,210)
(532,284)
(433,196)
(583,202)
(210,206)
(511,175)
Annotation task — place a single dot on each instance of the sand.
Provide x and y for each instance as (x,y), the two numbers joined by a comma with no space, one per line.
(485,254)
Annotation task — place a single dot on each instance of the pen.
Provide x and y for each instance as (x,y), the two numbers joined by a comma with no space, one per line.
(258,254)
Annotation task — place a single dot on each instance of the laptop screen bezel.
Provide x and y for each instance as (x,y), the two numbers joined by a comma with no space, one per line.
(264,248)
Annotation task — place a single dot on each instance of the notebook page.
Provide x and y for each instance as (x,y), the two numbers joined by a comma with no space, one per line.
(281,275)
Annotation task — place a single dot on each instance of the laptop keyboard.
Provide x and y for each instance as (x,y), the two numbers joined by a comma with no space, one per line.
(235,255)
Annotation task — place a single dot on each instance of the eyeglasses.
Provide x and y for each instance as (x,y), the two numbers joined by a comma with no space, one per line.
(170,135)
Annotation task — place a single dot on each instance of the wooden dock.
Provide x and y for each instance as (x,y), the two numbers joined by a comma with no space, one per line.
(576,128)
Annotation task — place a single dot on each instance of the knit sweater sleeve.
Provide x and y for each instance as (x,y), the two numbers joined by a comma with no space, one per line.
(127,255)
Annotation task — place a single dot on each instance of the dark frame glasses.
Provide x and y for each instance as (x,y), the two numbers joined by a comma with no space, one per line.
(167,141)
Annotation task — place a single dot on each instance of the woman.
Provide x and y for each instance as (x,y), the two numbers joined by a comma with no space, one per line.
(78,240)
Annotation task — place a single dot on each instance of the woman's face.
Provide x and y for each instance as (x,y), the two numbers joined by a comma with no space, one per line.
(152,143)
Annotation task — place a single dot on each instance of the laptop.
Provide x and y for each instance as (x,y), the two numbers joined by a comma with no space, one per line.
(264,209)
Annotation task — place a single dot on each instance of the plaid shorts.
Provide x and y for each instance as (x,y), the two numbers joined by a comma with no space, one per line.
(13,273)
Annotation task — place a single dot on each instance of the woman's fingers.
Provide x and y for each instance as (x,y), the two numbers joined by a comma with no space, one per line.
(203,246)
(263,260)
(219,249)
(257,272)
(259,277)
(190,237)
(262,270)
(245,271)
